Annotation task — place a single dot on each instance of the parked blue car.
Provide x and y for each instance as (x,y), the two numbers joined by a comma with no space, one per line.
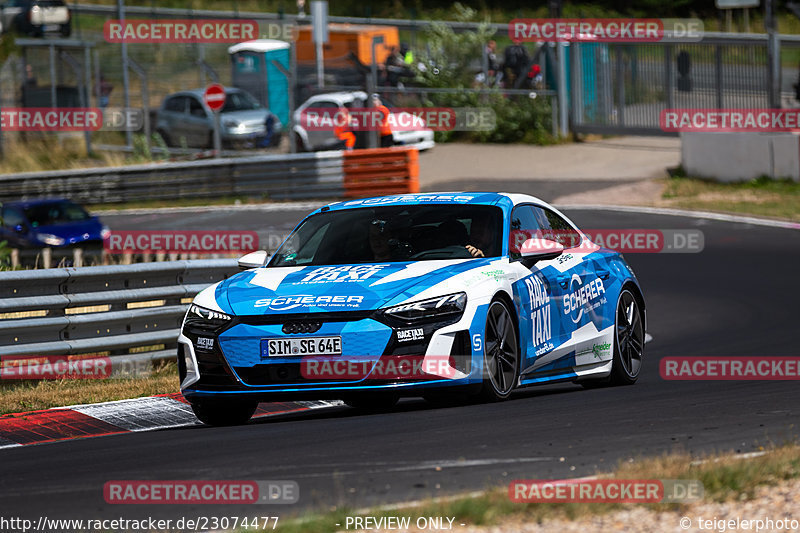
(54,223)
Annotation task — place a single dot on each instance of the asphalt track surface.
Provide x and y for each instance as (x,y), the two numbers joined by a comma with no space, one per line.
(738,297)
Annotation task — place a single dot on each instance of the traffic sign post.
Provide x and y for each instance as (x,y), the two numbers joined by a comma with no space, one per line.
(319,30)
(214,97)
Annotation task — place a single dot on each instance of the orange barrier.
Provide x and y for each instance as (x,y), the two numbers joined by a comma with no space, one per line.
(378,171)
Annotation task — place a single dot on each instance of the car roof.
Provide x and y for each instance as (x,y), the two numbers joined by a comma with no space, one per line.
(341,96)
(461,197)
(38,201)
(199,92)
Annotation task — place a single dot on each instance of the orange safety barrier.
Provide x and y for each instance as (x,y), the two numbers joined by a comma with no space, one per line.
(378,171)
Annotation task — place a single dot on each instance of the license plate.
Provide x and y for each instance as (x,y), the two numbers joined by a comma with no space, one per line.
(301,346)
(51,27)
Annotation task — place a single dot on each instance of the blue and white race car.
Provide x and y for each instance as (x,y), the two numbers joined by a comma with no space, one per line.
(437,295)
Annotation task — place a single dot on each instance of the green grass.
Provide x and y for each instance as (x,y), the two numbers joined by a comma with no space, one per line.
(29,395)
(761,197)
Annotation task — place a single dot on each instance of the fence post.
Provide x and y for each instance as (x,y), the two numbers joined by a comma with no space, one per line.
(125,80)
(562,89)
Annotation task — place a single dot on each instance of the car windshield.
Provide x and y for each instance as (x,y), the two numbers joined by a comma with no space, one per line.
(239,101)
(55,213)
(393,233)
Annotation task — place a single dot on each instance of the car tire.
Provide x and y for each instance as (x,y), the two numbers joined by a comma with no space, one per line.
(164,137)
(373,402)
(628,344)
(501,353)
(216,412)
(298,143)
(628,340)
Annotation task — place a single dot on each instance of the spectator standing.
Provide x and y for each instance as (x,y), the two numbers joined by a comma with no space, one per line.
(344,130)
(385,129)
(515,62)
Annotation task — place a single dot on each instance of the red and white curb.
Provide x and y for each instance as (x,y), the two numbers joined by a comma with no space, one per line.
(123,416)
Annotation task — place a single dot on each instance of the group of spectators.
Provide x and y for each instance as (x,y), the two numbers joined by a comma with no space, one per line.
(517,70)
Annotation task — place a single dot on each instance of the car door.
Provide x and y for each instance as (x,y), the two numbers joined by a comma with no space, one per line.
(320,139)
(537,295)
(172,119)
(586,310)
(199,124)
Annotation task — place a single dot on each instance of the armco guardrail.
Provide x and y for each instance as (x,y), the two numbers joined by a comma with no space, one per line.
(114,309)
(279,177)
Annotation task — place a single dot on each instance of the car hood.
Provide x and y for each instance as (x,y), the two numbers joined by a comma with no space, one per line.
(316,289)
(74,232)
(247,117)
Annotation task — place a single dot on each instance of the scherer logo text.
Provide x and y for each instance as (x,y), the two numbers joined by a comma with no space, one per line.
(284,303)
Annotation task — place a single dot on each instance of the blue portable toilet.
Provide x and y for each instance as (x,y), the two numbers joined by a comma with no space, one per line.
(254,72)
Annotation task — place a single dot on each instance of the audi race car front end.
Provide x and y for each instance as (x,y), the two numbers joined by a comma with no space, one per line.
(296,343)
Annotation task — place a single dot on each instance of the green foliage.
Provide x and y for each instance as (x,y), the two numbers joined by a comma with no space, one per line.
(452,63)
(140,152)
(5,256)
(452,58)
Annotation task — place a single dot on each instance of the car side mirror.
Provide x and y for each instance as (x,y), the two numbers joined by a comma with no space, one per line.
(253,260)
(534,250)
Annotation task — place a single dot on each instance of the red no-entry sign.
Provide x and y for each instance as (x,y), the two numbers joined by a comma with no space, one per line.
(214,97)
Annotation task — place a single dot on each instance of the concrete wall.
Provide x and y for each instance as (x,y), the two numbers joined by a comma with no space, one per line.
(732,157)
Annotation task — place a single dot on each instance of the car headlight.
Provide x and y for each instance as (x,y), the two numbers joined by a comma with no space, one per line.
(230,124)
(439,307)
(206,319)
(105,233)
(49,239)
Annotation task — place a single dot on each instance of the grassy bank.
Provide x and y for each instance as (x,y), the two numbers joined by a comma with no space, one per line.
(761,197)
(726,478)
(19,396)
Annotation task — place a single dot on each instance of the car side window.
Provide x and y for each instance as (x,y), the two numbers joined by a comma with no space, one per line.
(12,217)
(196,108)
(176,104)
(524,225)
(555,228)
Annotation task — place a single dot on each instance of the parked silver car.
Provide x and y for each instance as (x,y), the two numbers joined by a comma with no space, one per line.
(312,140)
(185,120)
